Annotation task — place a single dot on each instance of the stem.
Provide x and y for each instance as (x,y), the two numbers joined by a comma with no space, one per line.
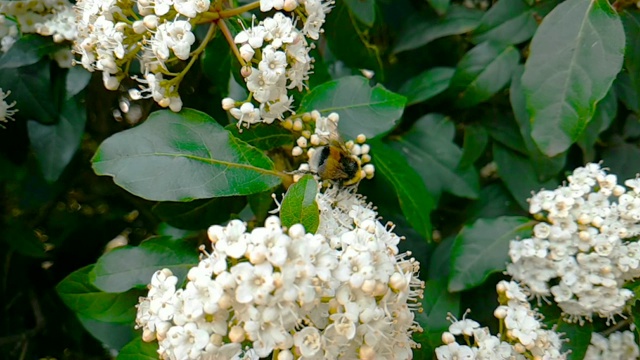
(232,44)
(239,10)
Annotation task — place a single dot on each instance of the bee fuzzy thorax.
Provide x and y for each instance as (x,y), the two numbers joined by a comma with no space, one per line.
(331,159)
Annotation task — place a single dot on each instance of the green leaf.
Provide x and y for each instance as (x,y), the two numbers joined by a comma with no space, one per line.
(482,248)
(131,266)
(631,23)
(28,50)
(364,10)
(299,205)
(503,128)
(430,150)
(112,335)
(606,112)
(181,157)
(261,204)
(139,350)
(578,336)
(415,201)
(55,145)
(519,175)
(440,6)
(483,71)
(476,140)
(426,85)
(623,159)
(216,63)
(263,136)
(22,239)
(349,39)
(363,109)
(419,32)
(32,90)
(77,79)
(437,303)
(575,56)
(546,167)
(511,21)
(494,201)
(199,214)
(77,292)
(626,91)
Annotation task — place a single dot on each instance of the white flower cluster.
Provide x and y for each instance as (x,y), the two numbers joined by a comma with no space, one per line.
(314,12)
(6,113)
(111,36)
(281,53)
(524,338)
(618,346)
(53,18)
(584,251)
(344,292)
(326,133)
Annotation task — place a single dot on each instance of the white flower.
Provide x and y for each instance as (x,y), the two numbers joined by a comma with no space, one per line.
(247,114)
(585,252)
(280,290)
(6,113)
(308,341)
(191,8)
(267,5)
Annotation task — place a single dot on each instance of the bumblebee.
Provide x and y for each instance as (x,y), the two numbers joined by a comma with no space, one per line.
(334,162)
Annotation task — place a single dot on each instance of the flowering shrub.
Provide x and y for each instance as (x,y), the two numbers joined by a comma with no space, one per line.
(319,179)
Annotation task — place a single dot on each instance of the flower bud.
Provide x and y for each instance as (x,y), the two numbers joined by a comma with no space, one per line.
(228,103)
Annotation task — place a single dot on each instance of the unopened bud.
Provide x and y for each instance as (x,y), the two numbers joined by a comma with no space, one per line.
(228,103)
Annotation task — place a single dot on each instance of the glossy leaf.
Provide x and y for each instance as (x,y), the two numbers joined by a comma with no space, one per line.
(483,71)
(22,238)
(55,145)
(27,50)
(578,338)
(299,205)
(430,150)
(437,303)
(494,201)
(476,140)
(216,63)
(181,157)
(426,85)
(623,159)
(631,23)
(111,335)
(419,31)
(545,166)
(263,136)
(139,350)
(83,298)
(364,10)
(482,248)
(363,109)
(132,266)
(504,129)
(77,79)
(519,175)
(511,21)
(440,6)
(31,86)
(575,56)
(606,112)
(415,201)
(349,39)
(199,214)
